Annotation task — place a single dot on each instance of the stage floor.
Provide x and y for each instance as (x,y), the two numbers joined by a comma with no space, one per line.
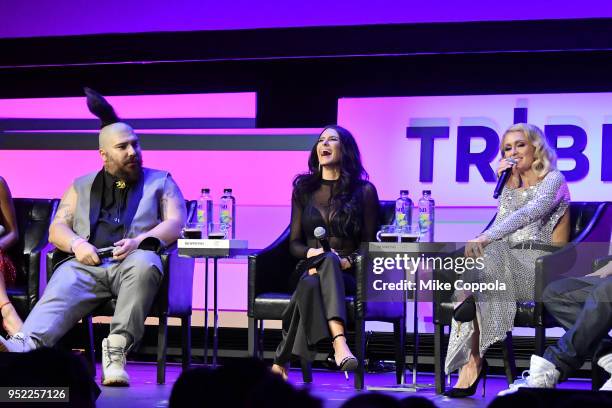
(331,387)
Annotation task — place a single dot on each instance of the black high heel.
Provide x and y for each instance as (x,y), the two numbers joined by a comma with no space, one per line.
(471,390)
(348,363)
(465,312)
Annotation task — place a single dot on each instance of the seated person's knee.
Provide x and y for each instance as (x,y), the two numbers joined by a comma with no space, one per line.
(603,290)
(551,292)
(331,257)
(144,261)
(308,283)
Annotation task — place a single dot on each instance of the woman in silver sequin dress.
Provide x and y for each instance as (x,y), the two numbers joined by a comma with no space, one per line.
(532,208)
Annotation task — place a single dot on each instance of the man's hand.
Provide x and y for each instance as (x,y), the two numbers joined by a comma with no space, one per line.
(604,271)
(125,247)
(86,254)
(475,247)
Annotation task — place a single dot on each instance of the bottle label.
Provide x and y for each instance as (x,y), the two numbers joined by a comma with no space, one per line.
(226,217)
(201,216)
(225,214)
(424,221)
(400,219)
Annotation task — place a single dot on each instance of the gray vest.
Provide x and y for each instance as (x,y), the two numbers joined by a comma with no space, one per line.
(148,213)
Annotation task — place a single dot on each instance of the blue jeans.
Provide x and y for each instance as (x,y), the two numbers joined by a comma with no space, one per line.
(584,307)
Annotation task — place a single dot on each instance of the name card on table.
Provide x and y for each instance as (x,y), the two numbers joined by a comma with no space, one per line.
(212,247)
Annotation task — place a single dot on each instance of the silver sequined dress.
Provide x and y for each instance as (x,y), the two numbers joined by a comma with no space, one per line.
(523,215)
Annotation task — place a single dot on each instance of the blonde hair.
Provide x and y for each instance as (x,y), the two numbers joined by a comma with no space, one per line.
(545,158)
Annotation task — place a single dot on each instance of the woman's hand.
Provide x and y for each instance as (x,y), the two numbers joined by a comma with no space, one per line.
(514,180)
(314,252)
(503,165)
(475,247)
(345,263)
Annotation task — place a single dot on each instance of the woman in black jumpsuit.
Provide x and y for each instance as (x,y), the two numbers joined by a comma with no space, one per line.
(335,195)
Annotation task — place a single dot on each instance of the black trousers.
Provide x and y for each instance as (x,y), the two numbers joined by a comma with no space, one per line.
(317,299)
(584,307)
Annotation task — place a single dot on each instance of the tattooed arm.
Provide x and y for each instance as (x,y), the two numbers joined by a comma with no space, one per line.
(173,213)
(63,237)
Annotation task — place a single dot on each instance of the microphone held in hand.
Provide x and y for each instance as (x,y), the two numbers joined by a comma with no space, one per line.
(321,235)
(503,178)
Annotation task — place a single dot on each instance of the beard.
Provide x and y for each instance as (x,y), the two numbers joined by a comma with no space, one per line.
(128,170)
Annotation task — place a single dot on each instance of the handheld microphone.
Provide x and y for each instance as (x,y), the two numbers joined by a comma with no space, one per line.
(503,178)
(321,235)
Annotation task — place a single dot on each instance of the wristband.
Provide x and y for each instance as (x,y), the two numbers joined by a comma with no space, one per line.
(76,241)
(352,258)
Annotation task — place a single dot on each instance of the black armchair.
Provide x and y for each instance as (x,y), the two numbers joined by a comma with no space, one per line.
(269,294)
(33,218)
(598,374)
(173,299)
(590,222)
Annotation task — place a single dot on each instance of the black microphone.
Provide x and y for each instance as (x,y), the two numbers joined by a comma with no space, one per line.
(321,235)
(503,178)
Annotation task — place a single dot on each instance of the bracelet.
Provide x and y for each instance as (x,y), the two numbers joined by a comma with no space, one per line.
(352,258)
(76,240)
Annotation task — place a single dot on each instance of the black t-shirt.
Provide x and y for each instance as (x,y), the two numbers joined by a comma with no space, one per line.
(316,212)
(110,227)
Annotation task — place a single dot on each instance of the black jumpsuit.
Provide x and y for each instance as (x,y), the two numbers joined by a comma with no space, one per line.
(320,297)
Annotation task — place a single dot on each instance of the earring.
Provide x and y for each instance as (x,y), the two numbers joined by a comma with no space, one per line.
(319,167)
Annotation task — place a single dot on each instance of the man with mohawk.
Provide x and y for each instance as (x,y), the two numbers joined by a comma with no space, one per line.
(116,209)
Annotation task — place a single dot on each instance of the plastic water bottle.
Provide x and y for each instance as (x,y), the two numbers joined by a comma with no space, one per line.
(227,213)
(403,210)
(426,216)
(205,211)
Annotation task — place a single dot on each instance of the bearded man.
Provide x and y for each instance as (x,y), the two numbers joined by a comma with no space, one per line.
(101,222)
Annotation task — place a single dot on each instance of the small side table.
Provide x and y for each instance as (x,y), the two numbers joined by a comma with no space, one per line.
(215,249)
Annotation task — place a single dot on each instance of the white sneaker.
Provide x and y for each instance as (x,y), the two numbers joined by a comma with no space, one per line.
(113,361)
(605,362)
(541,374)
(18,343)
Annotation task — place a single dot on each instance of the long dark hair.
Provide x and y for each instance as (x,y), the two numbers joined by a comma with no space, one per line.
(345,199)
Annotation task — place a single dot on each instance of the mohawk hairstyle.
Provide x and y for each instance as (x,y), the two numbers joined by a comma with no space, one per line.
(100,108)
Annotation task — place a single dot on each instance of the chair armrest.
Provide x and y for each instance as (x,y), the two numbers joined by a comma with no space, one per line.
(178,276)
(440,297)
(573,260)
(384,311)
(554,266)
(48,263)
(361,280)
(598,228)
(270,270)
(30,262)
